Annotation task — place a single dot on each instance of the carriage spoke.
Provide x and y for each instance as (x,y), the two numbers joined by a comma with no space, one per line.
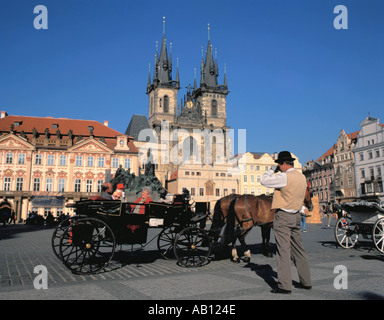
(378,235)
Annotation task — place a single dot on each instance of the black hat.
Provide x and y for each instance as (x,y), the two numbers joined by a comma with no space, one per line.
(284,156)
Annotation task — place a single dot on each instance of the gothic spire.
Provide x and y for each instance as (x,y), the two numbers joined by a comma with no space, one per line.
(164,66)
(209,70)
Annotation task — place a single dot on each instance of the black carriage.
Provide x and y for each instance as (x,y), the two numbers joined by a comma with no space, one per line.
(362,218)
(86,243)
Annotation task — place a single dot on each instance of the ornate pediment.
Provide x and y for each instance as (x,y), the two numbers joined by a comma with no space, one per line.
(11,141)
(90,146)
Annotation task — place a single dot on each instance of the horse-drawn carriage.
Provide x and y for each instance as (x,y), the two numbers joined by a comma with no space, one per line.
(86,243)
(362,218)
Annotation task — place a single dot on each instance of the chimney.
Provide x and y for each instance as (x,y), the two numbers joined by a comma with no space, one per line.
(3,114)
(106,123)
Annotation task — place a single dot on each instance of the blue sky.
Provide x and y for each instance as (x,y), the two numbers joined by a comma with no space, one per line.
(294,80)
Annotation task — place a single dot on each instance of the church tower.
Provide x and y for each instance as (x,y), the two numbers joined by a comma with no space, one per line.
(211,96)
(162,91)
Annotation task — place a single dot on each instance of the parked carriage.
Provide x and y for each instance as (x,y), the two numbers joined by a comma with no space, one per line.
(86,243)
(362,218)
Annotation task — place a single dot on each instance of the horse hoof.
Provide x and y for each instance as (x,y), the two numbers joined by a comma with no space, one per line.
(268,255)
(247,260)
(236,261)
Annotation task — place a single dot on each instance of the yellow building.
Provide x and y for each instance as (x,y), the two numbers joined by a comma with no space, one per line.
(47,162)
(206,183)
(252,166)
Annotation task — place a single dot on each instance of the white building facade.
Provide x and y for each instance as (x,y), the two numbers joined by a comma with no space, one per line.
(369,160)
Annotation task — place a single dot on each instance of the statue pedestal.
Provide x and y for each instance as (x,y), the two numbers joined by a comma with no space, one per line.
(315,214)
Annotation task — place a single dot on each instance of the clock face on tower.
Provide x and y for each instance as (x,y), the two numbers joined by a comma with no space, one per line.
(189,104)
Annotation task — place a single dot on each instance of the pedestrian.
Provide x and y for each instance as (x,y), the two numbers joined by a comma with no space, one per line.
(290,188)
(106,191)
(303,214)
(12,217)
(329,211)
(141,201)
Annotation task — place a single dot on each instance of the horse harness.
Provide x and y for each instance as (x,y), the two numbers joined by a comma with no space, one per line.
(240,222)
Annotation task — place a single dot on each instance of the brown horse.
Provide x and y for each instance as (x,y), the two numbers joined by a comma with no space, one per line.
(245,212)
(220,218)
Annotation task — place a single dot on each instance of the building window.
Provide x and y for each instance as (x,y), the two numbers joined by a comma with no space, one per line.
(61,184)
(22,158)
(201,192)
(245,178)
(63,160)
(193,191)
(49,184)
(77,185)
(115,162)
(19,184)
(166,104)
(7,183)
(38,159)
(36,184)
(99,185)
(127,163)
(89,161)
(79,161)
(101,162)
(214,107)
(9,158)
(217,192)
(50,160)
(89,183)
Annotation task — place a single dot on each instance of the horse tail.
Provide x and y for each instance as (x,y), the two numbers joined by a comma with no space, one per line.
(230,229)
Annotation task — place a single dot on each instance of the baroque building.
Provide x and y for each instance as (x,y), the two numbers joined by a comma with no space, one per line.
(332,175)
(252,165)
(369,160)
(344,167)
(47,162)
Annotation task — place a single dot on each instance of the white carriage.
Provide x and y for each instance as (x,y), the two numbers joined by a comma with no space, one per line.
(362,218)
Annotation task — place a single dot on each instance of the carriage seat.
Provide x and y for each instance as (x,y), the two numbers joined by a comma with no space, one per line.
(97,198)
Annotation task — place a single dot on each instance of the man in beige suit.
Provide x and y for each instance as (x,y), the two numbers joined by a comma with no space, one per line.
(290,187)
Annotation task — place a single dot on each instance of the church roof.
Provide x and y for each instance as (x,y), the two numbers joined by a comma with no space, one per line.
(138,122)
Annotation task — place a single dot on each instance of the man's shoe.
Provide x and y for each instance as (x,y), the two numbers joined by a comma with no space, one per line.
(282,291)
(301,286)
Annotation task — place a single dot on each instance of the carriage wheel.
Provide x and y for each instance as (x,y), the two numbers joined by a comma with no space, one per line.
(87,246)
(378,235)
(192,247)
(345,233)
(165,242)
(59,231)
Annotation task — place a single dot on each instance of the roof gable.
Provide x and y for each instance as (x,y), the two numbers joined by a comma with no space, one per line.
(11,141)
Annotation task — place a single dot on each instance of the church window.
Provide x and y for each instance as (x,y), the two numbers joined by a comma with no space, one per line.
(214,107)
(166,104)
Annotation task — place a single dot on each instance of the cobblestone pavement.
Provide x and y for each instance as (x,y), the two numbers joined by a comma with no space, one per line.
(143,275)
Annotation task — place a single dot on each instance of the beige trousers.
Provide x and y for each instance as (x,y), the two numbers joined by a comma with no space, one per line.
(287,232)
